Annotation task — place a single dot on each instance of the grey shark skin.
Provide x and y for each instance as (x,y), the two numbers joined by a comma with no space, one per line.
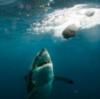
(40,78)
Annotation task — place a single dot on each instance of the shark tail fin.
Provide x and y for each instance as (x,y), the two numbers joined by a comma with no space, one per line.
(66,80)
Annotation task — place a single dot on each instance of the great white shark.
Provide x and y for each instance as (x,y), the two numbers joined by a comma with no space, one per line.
(41,76)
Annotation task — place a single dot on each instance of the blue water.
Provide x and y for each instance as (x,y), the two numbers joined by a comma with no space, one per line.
(77,58)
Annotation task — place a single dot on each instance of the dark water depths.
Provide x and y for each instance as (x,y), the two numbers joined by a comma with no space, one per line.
(77,58)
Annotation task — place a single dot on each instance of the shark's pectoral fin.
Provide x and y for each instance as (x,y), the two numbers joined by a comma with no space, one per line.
(30,84)
(25,77)
(66,80)
(28,77)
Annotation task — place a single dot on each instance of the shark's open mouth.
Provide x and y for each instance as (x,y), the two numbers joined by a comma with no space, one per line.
(42,58)
(43,63)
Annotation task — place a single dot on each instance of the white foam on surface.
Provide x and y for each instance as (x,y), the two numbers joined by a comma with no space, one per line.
(55,22)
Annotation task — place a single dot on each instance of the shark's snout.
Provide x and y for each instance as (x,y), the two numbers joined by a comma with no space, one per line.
(43,50)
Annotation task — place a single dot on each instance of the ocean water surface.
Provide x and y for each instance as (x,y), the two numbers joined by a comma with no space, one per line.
(26,26)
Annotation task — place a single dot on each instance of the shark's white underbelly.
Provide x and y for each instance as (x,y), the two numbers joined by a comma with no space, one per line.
(43,75)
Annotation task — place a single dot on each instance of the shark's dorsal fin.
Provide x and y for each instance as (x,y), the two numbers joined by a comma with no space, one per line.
(64,79)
